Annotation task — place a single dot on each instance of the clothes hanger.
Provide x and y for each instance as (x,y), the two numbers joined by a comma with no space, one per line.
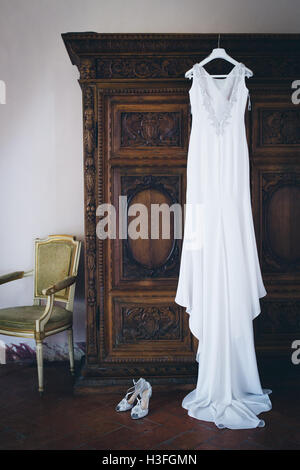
(218,53)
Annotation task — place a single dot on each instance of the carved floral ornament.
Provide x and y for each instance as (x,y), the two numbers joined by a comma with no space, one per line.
(87,69)
(166,67)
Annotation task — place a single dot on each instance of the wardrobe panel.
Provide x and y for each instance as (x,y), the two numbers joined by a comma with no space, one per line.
(148,328)
(276,195)
(281,222)
(153,126)
(151,261)
(278,326)
(276,125)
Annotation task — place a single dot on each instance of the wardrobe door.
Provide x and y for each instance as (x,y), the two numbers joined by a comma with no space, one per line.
(146,134)
(276,196)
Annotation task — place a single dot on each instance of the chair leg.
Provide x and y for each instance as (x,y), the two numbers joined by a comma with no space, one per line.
(39,358)
(71,350)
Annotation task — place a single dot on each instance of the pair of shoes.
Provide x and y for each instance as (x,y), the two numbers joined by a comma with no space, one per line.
(140,388)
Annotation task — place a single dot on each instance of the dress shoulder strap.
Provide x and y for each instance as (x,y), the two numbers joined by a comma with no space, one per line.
(190,73)
(245,71)
(247,74)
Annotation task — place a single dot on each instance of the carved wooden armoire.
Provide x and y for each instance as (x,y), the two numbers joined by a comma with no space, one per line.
(137,121)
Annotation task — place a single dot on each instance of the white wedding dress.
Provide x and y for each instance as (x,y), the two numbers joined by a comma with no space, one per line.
(220,281)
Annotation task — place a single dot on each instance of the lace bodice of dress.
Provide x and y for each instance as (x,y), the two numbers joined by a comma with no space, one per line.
(237,74)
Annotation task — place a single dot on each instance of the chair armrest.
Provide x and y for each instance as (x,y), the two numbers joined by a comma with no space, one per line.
(50,291)
(11,277)
(60,285)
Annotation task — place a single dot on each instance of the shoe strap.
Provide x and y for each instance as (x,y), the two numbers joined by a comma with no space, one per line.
(132,389)
(139,400)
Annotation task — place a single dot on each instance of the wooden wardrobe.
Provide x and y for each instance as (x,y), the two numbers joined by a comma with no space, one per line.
(136,122)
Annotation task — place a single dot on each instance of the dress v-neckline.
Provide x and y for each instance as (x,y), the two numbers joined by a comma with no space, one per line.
(224,80)
(222,117)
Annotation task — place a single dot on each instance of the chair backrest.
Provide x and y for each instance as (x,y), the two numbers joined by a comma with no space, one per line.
(56,257)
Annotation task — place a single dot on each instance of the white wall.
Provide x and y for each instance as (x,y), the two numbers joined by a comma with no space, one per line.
(41,174)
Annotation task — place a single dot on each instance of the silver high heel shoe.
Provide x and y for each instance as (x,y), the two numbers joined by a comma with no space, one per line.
(127,403)
(141,409)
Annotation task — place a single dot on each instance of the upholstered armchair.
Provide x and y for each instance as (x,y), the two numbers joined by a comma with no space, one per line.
(55,272)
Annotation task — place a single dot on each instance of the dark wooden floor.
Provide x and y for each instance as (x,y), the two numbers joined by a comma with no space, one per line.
(61,420)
